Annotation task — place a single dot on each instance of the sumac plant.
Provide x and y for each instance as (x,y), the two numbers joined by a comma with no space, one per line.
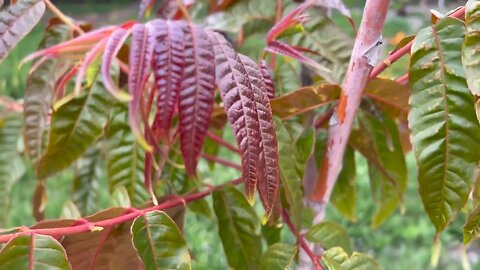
(161,110)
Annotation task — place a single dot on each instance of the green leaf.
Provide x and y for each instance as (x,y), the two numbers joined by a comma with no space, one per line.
(304,99)
(120,198)
(17,21)
(471,46)
(332,45)
(344,193)
(295,146)
(11,165)
(329,234)
(39,93)
(471,229)
(278,256)
(70,211)
(74,127)
(33,252)
(238,15)
(238,228)
(444,129)
(337,259)
(287,75)
(125,159)
(86,182)
(388,179)
(272,233)
(159,242)
(107,249)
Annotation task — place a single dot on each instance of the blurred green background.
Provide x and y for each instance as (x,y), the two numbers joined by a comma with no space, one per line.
(403,242)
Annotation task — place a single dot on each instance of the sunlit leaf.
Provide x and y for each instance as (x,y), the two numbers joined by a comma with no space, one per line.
(238,229)
(337,259)
(444,129)
(159,242)
(391,96)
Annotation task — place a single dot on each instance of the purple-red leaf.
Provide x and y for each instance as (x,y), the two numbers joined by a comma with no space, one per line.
(295,17)
(239,102)
(267,79)
(114,43)
(196,94)
(168,65)
(248,109)
(268,175)
(140,59)
(282,48)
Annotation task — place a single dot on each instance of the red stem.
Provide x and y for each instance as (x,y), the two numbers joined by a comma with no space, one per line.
(222,161)
(301,241)
(460,13)
(222,142)
(84,226)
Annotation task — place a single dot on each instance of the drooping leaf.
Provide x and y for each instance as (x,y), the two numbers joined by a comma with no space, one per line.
(329,234)
(86,182)
(388,179)
(11,165)
(238,229)
(168,65)
(471,46)
(344,193)
(291,139)
(140,58)
(107,249)
(278,256)
(444,129)
(39,93)
(196,95)
(33,252)
(16,21)
(125,159)
(268,171)
(114,43)
(337,259)
(159,242)
(304,99)
(74,127)
(239,101)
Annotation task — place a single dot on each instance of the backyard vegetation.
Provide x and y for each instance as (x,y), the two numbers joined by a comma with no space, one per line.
(239,134)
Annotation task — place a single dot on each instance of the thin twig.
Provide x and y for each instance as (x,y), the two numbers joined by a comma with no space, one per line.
(301,241)
(224,162)
(63,17)
(460,13)
(222,142)
(81,225)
